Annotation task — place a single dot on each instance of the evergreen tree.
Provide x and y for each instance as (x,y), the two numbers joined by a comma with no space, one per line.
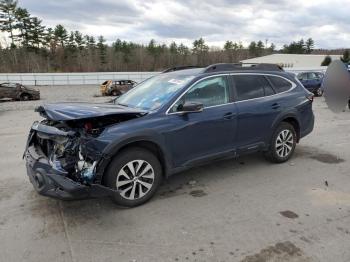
(200,49)
(173,48)
(49,39)
(309,45)
(326,61)
(252,49)
(183,50)
(61,35)
(79,40)
(22,17)
(118,45)
(8,18)
(228,45)
(298,47)
(155,51)
(90,42)
(346,57)
(102,48)
(71,42)
(36,33)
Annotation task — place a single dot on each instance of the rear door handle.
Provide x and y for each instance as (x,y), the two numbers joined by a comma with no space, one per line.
(275,106)
(228,115)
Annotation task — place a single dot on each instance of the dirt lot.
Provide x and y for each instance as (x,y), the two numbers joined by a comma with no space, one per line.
(244,209)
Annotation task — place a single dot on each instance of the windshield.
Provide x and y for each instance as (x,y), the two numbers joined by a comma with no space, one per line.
(154,92)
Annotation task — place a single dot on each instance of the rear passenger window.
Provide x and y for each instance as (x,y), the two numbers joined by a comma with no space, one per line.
(250,86)
(268,91)
(280,84)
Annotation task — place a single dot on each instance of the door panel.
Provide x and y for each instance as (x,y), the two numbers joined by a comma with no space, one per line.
(7,92)
(255,119)
(257,108)
(203,134)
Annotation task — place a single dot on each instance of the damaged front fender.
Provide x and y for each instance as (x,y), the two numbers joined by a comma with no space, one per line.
(58,167)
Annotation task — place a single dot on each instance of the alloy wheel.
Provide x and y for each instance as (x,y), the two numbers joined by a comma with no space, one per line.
(135,179)
(284,143)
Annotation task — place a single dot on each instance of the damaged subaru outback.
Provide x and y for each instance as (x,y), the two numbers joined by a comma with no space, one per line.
(181,118)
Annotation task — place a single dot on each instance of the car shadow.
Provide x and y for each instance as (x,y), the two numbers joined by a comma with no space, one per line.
(97,213)
(181,183)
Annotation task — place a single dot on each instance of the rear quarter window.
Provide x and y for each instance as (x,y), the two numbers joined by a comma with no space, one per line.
(280,84)
(250,86)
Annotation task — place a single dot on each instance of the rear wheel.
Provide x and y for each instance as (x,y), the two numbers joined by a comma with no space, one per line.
(115,93)
(282,144)
(319,92)
(136,173)
(25,97)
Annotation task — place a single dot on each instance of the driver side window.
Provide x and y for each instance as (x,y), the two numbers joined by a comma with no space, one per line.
(209,92)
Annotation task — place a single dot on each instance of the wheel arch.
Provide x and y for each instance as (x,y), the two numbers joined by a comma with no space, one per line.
(291,119)
(295,123)
(21,95)
(145,143)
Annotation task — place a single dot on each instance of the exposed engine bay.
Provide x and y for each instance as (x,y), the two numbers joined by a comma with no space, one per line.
(65,144)
(65,155)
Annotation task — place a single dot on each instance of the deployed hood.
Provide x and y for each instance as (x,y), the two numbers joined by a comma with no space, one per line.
(73,111)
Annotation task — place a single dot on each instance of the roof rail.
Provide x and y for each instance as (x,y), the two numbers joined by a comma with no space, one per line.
(242,66)
(178,68)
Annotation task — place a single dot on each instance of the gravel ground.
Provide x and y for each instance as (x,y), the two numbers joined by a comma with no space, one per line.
(243,209)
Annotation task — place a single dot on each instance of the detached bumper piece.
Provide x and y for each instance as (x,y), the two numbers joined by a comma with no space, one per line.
(54,183)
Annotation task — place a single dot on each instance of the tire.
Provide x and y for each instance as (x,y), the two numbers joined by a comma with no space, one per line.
(25,97)
(115,93)
(133,188)
(318,92)
(283,152)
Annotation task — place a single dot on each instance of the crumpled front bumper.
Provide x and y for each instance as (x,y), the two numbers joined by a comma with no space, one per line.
(53,183)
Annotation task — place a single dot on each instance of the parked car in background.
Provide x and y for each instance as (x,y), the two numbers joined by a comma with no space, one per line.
(116,87)
(312,81)
(17,91)
(171,122)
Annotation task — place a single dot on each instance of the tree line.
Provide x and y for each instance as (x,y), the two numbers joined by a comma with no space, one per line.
(33,47)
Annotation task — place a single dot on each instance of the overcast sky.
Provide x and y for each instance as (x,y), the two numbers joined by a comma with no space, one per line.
(279,21)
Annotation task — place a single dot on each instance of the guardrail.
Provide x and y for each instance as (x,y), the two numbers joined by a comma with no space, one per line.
(38,79)
(95,78)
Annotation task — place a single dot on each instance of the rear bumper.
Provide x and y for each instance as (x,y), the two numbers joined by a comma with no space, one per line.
(309,128)
(313,89)
(54,183)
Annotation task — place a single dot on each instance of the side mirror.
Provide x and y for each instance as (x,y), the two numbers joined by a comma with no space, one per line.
(190,107)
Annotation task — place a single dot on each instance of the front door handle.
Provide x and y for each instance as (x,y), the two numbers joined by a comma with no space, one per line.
(228,115)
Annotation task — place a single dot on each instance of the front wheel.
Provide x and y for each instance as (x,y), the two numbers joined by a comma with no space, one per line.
(136,173)
(282,144)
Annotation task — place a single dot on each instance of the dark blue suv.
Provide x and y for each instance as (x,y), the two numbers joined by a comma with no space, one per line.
(178,119)
(312,81)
